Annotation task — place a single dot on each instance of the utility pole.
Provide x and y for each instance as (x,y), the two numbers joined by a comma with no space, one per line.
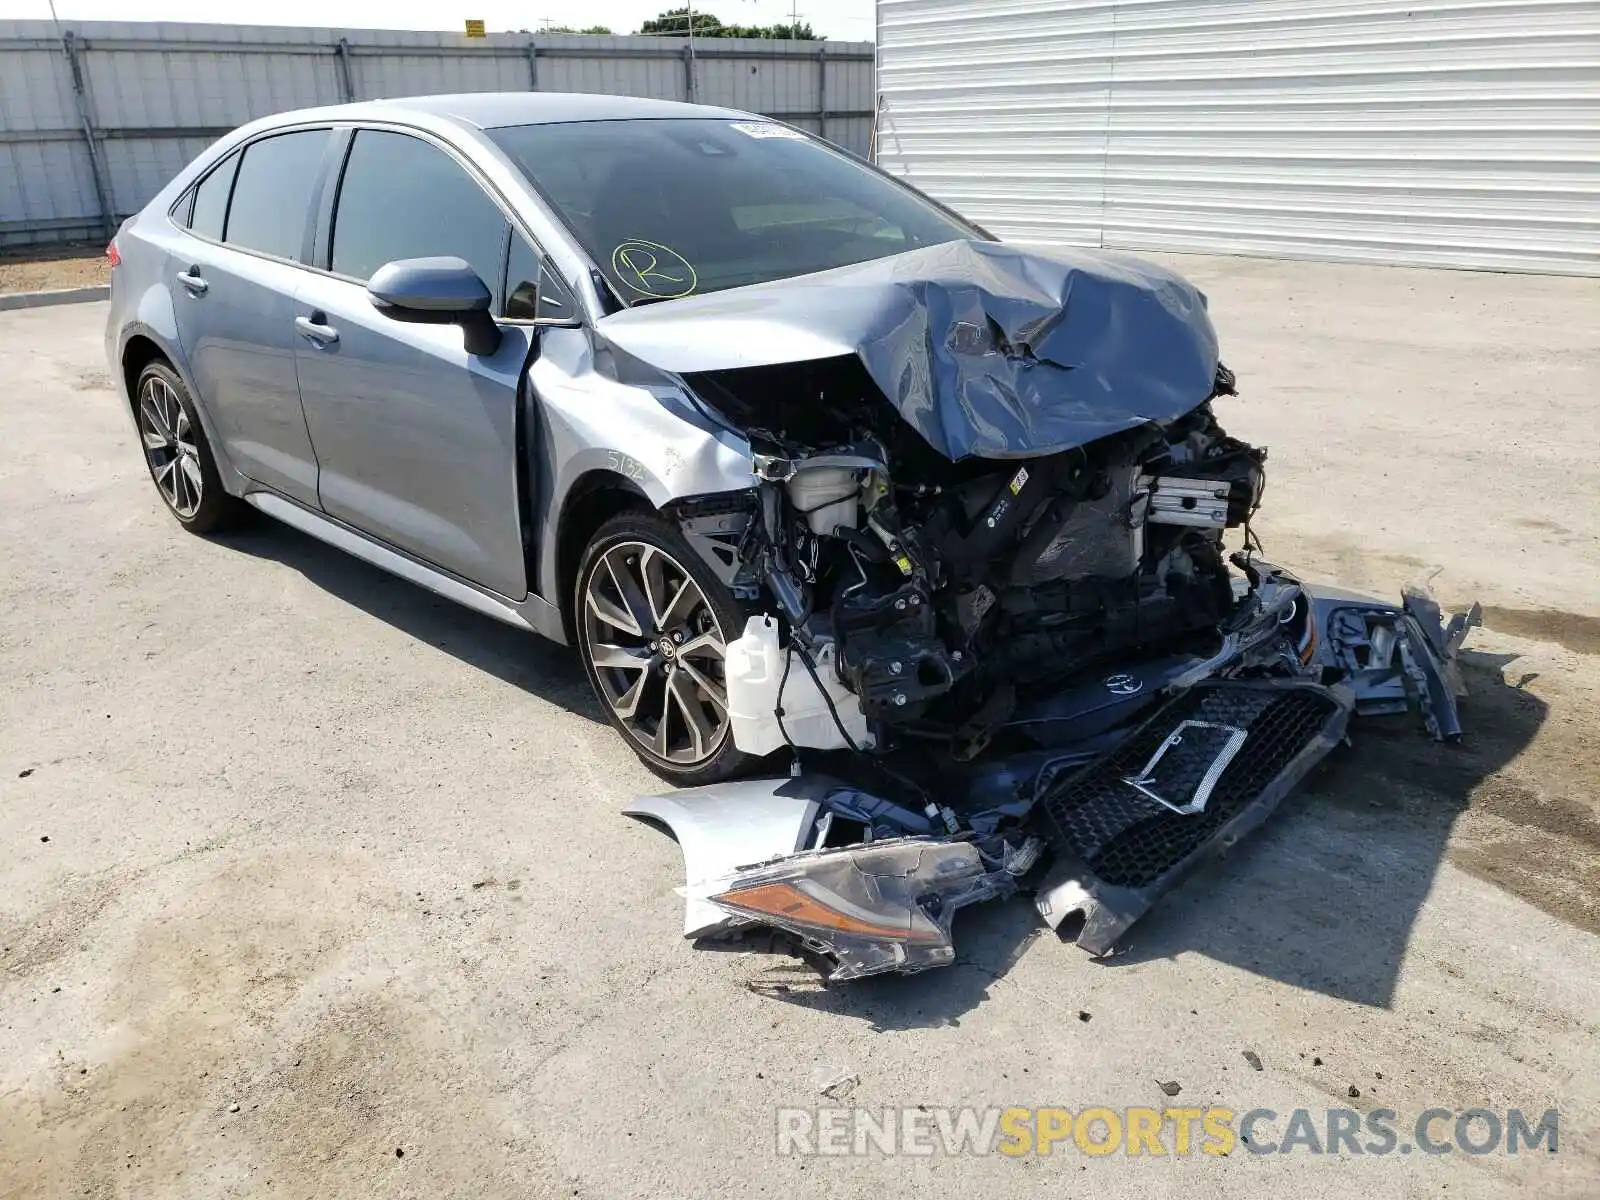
(688,66)
(80,95)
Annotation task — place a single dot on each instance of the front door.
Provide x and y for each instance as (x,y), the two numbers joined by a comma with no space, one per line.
(416,439)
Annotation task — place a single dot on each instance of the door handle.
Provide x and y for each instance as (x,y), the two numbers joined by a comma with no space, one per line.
(191,280)
(314,329)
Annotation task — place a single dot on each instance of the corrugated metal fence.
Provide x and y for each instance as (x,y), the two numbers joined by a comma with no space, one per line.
(96,116)
(1460,133)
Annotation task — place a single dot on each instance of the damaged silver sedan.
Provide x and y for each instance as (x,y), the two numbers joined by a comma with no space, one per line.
(940,539)
(998,636)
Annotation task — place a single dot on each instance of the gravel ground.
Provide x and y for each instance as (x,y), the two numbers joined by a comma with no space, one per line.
(54,268)
(314,885)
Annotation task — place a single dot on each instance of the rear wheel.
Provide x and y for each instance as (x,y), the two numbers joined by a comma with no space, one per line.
(653,626)
(177,453)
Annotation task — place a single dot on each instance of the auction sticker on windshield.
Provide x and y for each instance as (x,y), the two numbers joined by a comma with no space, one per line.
(765,129)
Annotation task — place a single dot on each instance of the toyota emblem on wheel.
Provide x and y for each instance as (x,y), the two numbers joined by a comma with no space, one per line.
(1124,685)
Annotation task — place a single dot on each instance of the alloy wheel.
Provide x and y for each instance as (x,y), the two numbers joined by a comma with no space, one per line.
(658,652)
(170,446)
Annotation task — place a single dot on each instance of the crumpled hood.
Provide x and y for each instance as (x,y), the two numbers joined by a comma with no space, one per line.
(985,349)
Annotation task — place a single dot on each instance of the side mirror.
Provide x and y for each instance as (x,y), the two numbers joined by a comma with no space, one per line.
(437,291)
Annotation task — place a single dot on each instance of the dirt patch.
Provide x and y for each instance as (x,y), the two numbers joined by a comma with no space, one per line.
(1538,840)
(1519,862)
(199,995)
(1557,816)
(1572,630)
(54,268)
(370,1098)
(1518,798)
(225,1059)
(28,946)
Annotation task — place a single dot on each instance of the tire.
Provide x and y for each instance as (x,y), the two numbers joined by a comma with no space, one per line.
(661,695)
(177,453)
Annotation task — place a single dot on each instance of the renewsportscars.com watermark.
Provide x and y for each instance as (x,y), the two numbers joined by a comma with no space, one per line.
(1099,1131)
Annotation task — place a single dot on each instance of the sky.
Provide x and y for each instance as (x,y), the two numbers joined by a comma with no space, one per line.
(844,20)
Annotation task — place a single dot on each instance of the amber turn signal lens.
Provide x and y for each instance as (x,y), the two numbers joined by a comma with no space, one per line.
(785,902)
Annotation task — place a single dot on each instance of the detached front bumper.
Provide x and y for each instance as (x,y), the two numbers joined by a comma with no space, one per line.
(1193,779)
(866,886)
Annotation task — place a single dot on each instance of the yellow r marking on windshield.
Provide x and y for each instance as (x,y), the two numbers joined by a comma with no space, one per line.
(652,269)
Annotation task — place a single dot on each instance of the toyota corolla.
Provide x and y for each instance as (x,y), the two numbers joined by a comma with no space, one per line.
(823,481)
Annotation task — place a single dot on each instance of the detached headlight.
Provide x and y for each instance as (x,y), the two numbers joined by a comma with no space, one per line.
(887,906)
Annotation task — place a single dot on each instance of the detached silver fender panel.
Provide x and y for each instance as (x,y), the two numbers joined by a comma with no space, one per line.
(725,826)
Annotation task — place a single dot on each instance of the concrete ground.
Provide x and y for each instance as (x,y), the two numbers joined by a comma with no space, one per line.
(314,885)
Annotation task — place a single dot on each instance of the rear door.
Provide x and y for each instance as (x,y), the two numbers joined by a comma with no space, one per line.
(233,286)
(417,439)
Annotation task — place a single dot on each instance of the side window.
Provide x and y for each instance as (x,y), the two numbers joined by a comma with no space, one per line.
(211,199)
(272,195)
(404,198)
(532,289)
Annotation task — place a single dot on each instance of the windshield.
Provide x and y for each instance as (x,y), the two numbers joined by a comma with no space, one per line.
(668,208)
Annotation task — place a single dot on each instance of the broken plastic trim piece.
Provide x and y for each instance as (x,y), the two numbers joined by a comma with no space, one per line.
(1394,657)
(869,909)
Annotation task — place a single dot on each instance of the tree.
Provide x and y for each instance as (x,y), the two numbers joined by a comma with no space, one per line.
(800,32)
(675,23)
(599,29)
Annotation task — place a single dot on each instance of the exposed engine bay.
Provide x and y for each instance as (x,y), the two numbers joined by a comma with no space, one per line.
(1010,626)
(943,595)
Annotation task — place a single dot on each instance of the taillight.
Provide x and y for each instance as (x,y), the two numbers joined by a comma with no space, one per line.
(112,255)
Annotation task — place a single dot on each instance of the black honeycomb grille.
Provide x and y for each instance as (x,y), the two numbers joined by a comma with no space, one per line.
(1129,840)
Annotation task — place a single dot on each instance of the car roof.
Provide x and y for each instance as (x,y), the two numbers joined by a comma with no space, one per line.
(493,110)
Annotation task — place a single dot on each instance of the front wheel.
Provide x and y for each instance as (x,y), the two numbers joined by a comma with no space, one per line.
(653,626)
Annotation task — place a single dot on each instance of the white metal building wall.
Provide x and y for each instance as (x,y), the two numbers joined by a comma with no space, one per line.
(1462,133)
(157,94)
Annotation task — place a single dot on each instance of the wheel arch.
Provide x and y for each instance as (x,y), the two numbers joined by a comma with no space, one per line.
(593,499)
(138,353)
(143,345)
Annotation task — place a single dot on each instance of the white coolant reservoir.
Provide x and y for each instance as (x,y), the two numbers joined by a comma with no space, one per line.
(826,495)
(754,673)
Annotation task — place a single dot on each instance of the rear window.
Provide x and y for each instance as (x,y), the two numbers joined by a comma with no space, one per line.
(667,208)
(272,194)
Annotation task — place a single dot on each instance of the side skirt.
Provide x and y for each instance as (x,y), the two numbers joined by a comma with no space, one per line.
(534,614)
